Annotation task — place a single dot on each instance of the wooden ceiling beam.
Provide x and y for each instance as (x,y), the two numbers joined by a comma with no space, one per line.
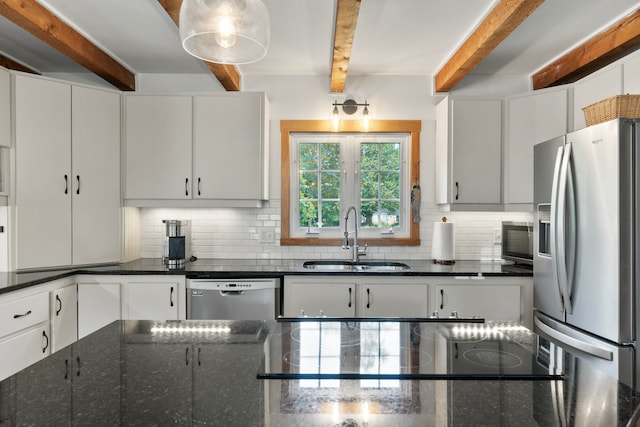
(344,32)
(601,50)
(10,64)
(227,74)
(496,26)
(40,22)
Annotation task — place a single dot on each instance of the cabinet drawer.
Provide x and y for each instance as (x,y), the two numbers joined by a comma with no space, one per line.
(22,313)
(24,349)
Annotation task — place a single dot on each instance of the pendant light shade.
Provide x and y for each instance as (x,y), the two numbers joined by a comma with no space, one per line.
(225,31)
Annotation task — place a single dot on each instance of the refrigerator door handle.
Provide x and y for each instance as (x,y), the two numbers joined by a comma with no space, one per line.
(573,343)
(553,232)
(561,259)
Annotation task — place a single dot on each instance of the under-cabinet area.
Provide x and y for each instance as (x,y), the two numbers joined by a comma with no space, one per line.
(491,298)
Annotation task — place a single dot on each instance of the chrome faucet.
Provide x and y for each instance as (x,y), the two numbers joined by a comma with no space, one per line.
(357,253)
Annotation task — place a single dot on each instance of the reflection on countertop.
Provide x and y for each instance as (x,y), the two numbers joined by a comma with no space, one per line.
(205,372)
(254,268)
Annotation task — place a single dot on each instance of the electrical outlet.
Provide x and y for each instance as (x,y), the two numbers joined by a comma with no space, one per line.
(497,236)
(267,235)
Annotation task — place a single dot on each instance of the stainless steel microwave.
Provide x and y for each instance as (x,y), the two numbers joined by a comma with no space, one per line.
(517,242)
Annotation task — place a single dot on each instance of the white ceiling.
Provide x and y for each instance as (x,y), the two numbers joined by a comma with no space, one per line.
(392,36)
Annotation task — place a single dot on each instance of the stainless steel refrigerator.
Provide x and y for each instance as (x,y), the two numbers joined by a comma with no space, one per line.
(585,252)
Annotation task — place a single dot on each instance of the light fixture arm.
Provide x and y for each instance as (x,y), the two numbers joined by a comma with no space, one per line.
(350,106)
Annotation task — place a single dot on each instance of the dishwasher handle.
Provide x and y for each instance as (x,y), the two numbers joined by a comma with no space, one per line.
(231,293)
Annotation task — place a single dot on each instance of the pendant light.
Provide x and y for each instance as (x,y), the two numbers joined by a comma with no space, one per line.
(225,31)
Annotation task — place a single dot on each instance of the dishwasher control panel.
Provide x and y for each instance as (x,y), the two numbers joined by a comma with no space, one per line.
(233,285)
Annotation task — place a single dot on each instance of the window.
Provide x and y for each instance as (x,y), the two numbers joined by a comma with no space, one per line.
(324,173)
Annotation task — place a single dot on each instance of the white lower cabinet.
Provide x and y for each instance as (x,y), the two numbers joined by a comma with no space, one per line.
(64,317)
(392,298)
(494,298)
(98,305)
(317,297)
(355,296)
(154,298)
(24,332)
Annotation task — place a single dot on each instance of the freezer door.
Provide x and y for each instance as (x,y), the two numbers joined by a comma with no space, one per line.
(600,238)
(546,162)
(614,360)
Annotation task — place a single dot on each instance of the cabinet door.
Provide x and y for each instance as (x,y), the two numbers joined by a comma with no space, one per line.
(5,109)
(491,302)
(313,299)
(158,367)
(244,359)
(393,300)
(96,372)
(43,392)
(600,85)
(152,301)
(158,135)
(532,119)
(228,148)
(98,305)
(43,172)
(96,176)
(23,349)
(476,147)
(64,317)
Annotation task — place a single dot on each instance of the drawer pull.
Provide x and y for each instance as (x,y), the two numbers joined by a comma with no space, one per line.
(58,305)
(17,316)
(46,342)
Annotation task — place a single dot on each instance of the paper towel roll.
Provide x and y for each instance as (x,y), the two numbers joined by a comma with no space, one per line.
(443,246)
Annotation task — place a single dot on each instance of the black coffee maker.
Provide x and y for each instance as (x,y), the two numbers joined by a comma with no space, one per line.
(177,243)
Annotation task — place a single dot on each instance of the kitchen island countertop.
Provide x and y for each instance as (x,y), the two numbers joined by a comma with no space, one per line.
(205,372)
(254,268)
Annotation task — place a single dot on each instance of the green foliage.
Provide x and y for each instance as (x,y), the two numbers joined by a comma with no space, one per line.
(320,181)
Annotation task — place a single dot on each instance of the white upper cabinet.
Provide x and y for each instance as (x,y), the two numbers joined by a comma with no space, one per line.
(67,174)
(531,119)
(43,172)
(228,150)
(468,152)
(158,147)
(603,84)
(632,75)
(206,150)
(95,162)
(5,108)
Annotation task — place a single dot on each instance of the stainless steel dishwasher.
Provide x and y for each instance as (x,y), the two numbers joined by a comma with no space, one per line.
(241,299)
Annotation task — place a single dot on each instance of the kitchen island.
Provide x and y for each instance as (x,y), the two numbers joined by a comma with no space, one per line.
(316,373)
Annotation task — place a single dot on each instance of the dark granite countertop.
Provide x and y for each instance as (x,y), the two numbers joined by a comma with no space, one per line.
(206,373)
(252,268)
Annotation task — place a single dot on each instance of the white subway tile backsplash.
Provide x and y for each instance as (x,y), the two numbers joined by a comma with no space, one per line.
(234,233)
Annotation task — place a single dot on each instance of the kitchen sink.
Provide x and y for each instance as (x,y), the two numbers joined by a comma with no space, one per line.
(360,266)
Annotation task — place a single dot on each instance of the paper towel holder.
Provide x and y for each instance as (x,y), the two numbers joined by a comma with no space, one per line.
(441,261)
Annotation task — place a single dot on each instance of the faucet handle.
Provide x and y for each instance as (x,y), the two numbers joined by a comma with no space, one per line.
(363,251)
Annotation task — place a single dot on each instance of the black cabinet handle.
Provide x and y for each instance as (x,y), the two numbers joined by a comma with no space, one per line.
(199,349)
(66,369)
(59,305)
(186,187)
(198,186)
(78,365)
(66,184)
(441,299)
(46,344)
(457,189)
(186,356)
(349,298)
(368,298)
(171,297)
(78,189)
(17,316)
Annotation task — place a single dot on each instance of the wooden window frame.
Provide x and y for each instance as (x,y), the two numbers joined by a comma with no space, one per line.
(287,127)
